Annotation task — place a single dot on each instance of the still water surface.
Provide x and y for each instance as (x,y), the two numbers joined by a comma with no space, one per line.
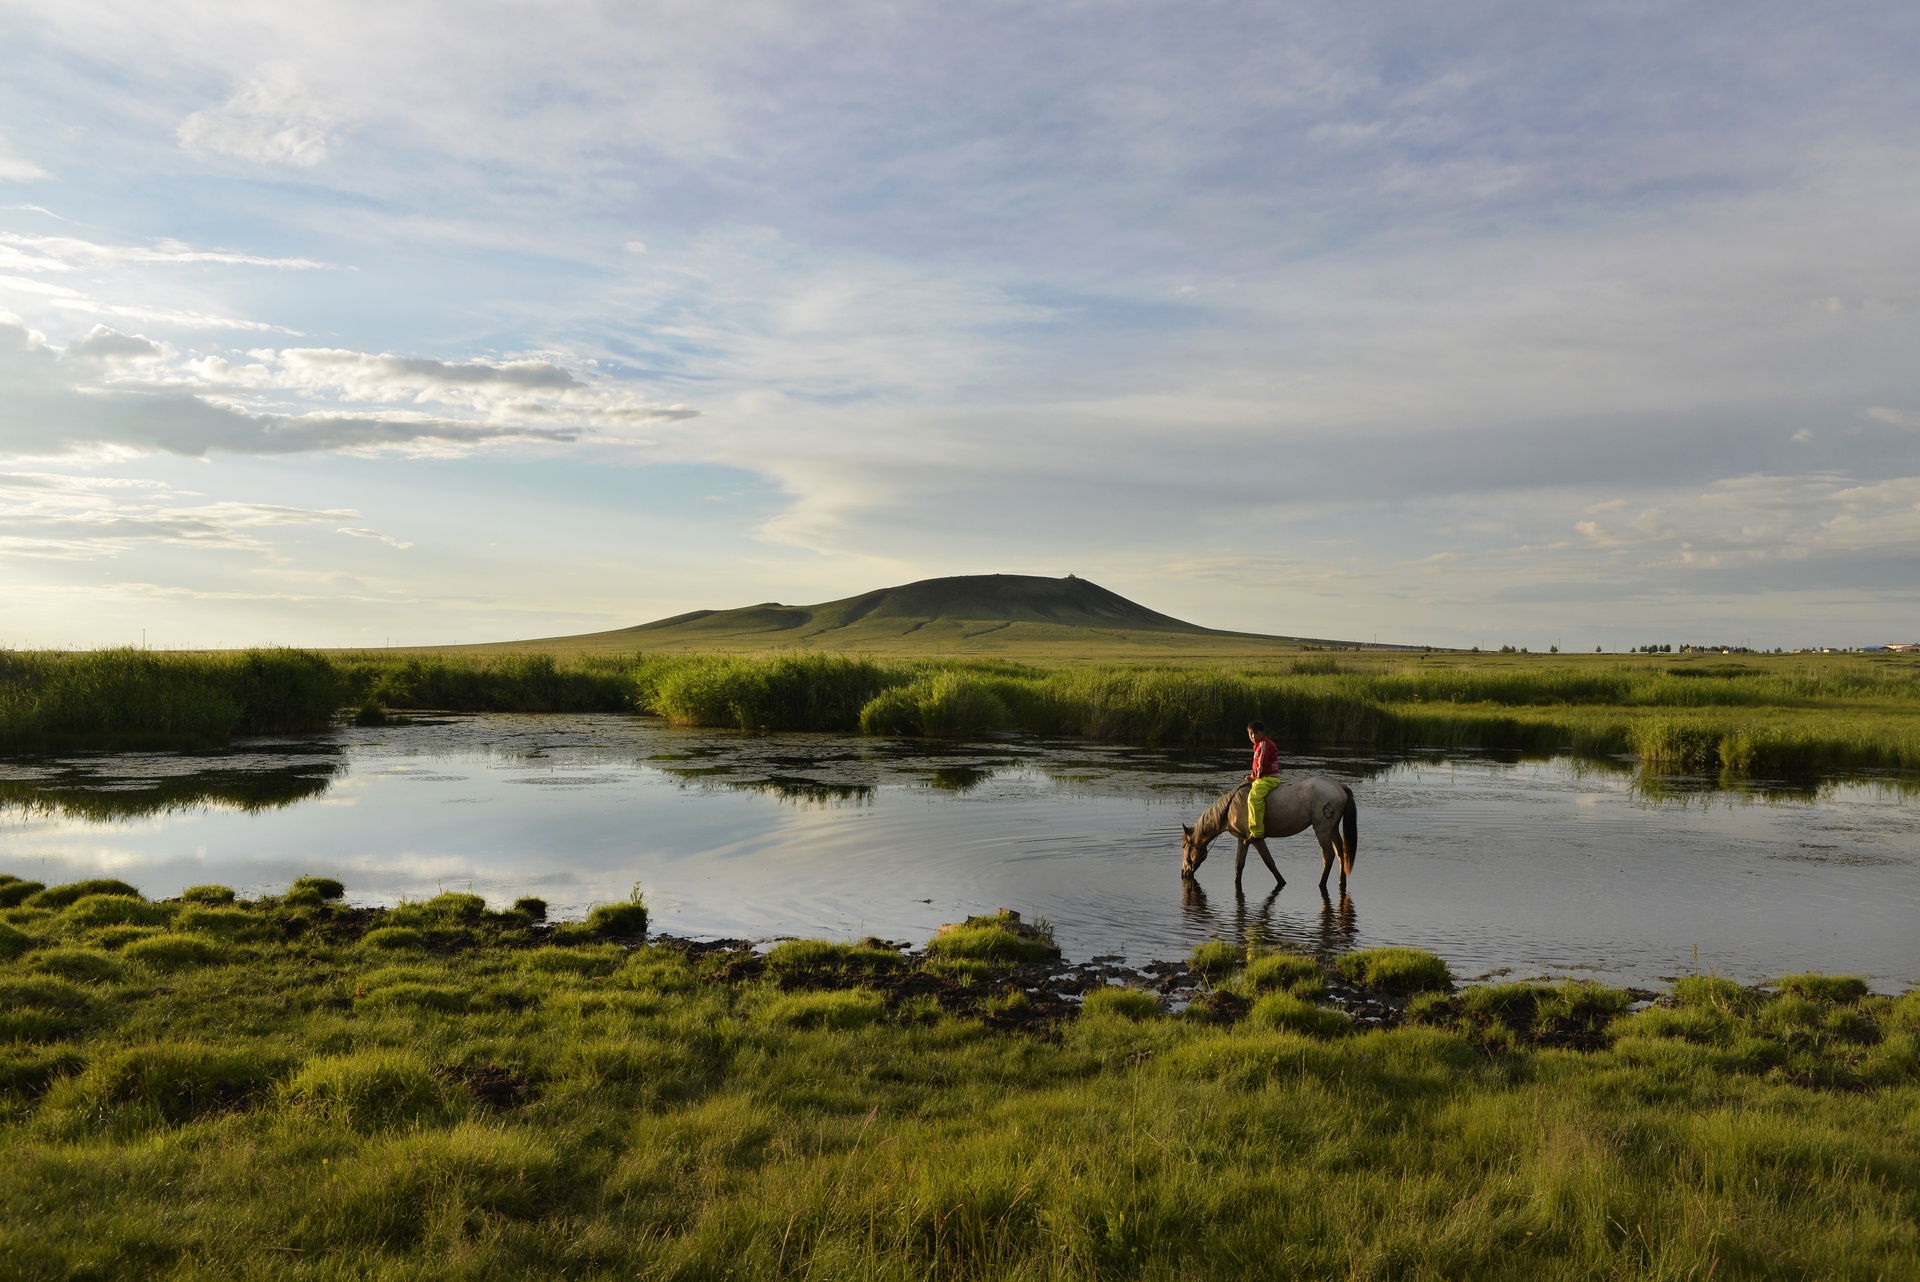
(1540,868)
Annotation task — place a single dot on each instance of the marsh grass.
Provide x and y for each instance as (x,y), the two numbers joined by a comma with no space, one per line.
(1768,715)
(499,1106)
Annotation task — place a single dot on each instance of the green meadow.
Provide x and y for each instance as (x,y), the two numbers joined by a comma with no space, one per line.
(1759,714)
(292,1088)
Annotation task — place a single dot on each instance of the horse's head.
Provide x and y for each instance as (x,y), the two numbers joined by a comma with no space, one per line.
(1193,851)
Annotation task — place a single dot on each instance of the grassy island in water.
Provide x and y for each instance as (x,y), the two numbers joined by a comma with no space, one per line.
(291,1087)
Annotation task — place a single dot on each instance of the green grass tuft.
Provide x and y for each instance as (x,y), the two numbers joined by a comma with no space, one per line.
(81,965)
(13,941)
(74,891)
(628,920)
(393,939)
(169,953)
(370,1090)
(1280,972)
(327,888)
(1398,969)
(851,1008)
(1215,960)
(1114,1002)
(1283,1012)
(209,894)
(1824,988)
(16,892)
(95,911)
(531,907)
(164,1084)
(1002,938)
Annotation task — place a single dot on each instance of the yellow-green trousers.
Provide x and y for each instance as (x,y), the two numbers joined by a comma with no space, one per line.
(1257,805)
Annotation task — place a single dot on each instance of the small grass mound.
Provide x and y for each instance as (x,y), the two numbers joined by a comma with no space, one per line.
(1841,989)
(1711,992)
(81,965)
(1397,969)
(1214,960)
(208,894)
(1284,1012)
(619,921)
(74,891)
(224,923)
(1002,938)
(165,1084)
(848,1008)
(1282,972)
(370,1090)
(393,939)
(13,941)
(531,907)
(449,911)
(169,953)
(16,892)
(1120,1003)
(328,888)
(94,911)
(41,1009)
(824,956)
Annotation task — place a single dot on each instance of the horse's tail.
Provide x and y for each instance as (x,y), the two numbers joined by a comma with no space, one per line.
(1350,826)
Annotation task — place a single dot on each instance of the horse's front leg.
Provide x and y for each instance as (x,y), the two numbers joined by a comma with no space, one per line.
(1260,844)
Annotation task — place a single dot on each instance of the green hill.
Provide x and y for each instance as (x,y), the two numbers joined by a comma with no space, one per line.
(987,614)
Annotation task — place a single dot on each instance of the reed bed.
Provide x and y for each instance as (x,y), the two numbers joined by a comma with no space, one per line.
(1774,716)
(282,1088)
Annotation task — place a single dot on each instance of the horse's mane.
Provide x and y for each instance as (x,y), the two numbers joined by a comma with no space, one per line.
(1215,818)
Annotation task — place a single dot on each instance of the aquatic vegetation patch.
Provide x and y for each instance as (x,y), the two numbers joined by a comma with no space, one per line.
(625,920)
(1003,937)
(1215,960)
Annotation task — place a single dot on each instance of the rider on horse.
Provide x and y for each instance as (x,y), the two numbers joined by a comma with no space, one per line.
(1264,778)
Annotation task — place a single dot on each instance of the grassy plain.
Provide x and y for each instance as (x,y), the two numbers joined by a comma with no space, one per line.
(290,1088)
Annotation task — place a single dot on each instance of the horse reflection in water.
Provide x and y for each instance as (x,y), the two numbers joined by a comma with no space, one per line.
(1335,931)
(1317,802)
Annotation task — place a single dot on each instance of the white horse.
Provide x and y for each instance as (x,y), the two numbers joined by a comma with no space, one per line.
(1316,802)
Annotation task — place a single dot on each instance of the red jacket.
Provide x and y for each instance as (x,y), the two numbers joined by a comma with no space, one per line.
(1266,758)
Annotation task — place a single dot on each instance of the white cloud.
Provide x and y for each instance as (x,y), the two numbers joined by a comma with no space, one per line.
(273,120)
(17,168)
(391,542)
(53,516)
(65,253)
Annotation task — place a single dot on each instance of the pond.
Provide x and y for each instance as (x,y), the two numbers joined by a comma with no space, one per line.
(1534,868)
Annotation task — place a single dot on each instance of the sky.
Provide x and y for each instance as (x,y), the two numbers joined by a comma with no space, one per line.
(1472,324)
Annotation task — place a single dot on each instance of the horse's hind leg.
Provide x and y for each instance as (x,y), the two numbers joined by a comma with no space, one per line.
(1260,844)
(1239,863)
(1326,863)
